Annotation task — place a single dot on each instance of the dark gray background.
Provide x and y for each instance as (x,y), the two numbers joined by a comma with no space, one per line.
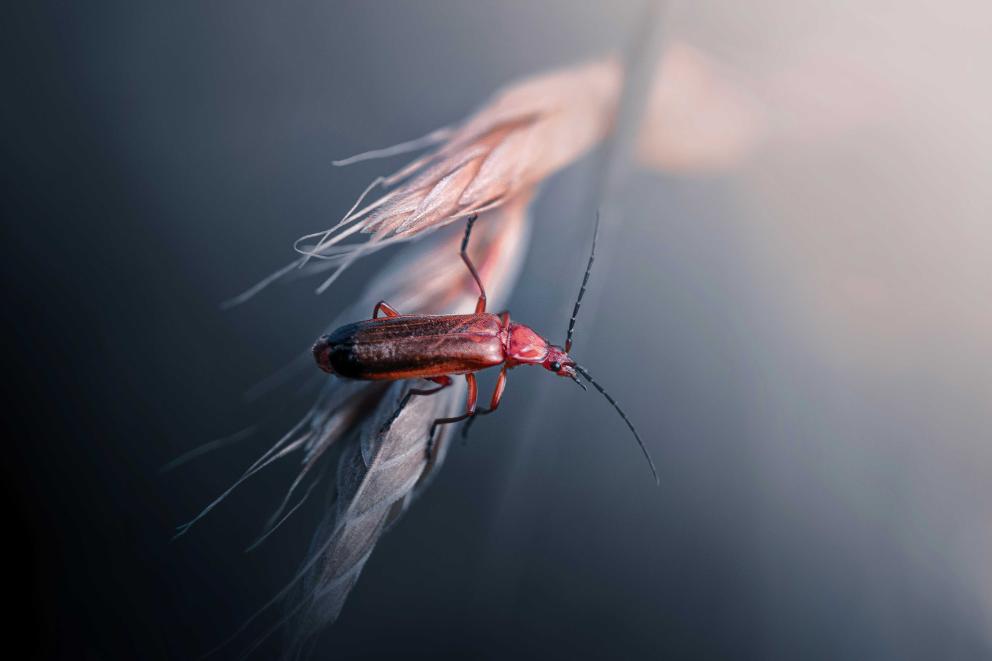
(158,157)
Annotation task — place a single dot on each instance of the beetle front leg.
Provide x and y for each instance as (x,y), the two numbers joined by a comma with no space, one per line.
(473,394)
(493,403)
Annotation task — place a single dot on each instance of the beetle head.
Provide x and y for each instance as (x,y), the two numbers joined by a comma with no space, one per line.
(559,362)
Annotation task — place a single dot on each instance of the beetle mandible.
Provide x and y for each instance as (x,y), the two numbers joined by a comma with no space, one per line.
(395,346)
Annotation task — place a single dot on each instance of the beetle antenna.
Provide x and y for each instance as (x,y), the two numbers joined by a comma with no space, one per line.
(576,379)
(582,289)
(581,370)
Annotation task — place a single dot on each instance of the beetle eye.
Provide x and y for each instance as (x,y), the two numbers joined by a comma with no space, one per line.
(555,366)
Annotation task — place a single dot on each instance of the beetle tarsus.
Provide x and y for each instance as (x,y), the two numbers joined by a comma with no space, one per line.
(430,444)
(468,424)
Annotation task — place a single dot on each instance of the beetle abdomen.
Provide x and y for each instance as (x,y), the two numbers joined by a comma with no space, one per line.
(407,347)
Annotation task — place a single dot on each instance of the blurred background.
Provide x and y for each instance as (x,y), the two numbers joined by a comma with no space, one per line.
(802,335)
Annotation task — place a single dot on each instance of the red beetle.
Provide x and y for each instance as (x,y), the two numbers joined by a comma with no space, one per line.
(435,347)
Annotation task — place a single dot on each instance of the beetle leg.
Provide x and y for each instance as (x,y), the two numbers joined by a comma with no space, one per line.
(473,394)
(385,308)
(406,399)
(480,306)
(493,403)
(443,380)
(433,452)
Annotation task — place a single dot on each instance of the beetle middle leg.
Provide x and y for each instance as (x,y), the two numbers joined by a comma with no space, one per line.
(473,395)
(480,305)
(493,403)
